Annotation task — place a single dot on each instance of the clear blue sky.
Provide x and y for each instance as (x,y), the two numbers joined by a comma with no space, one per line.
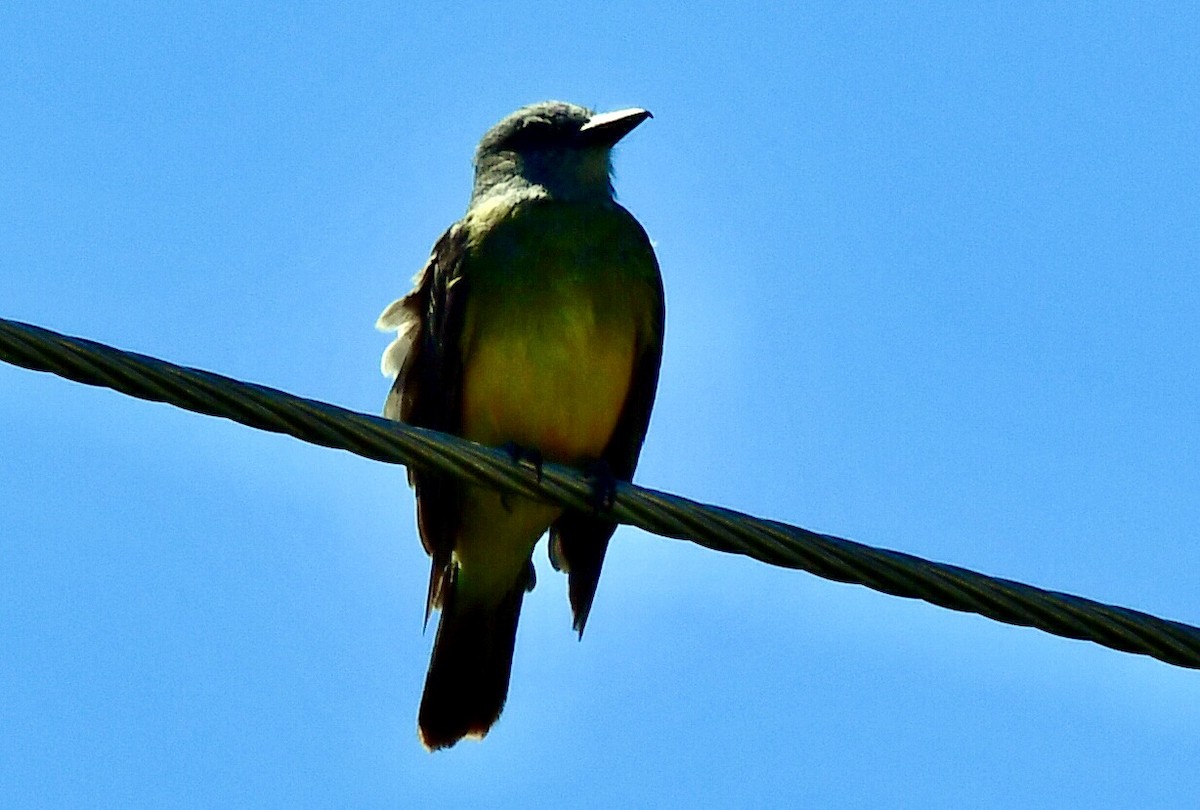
(932,284)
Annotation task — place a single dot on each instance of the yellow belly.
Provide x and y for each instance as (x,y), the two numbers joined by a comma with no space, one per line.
(560,299)
(555,383)
(558,388)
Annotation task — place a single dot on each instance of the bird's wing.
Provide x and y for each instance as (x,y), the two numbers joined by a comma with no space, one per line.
(579,540)
(428,389)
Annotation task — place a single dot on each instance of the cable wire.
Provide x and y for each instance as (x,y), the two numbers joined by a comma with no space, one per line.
(713,527)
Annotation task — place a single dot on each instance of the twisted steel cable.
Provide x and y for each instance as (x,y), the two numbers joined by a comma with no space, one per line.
(714,527)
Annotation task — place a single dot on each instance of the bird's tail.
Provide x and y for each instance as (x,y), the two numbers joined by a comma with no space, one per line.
(468,674)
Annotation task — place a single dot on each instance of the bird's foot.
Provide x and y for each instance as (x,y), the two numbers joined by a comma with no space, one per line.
(521,456)
(604,485)
(525,456)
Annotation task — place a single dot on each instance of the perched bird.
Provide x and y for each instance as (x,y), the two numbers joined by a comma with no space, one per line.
(537,323)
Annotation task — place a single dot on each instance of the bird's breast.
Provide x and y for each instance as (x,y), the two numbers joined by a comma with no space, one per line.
(560,300)
(549,372)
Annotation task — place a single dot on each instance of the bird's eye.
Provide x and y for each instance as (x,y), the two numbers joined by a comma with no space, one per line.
(532,135)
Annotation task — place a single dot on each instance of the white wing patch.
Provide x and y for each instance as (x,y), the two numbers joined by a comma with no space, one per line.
(402,317)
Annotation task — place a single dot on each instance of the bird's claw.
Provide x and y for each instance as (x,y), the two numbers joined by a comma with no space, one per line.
(525,456)
(604,485)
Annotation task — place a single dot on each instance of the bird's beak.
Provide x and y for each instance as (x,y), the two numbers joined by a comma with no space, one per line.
(610,127)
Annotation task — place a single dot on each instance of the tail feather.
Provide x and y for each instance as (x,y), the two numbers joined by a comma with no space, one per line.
(467,681)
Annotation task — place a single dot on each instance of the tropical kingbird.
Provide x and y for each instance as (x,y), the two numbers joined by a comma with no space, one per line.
(537,323)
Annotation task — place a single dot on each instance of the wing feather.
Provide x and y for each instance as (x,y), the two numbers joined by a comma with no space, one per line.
(427,391)
(579,540)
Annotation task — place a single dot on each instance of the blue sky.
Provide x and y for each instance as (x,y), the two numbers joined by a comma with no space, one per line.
(931,282)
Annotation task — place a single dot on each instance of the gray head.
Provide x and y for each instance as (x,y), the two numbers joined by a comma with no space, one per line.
(552,148)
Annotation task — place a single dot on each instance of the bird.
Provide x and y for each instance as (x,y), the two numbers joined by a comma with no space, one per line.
(536,324)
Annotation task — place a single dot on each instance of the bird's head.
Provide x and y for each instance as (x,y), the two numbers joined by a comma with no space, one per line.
(556,148)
